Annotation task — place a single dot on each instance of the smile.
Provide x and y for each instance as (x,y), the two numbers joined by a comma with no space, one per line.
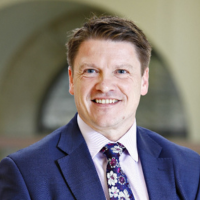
(105,101)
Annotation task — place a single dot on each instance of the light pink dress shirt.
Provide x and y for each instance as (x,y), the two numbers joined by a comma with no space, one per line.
(130,163)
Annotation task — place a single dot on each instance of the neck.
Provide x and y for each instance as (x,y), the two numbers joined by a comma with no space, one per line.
(113,134)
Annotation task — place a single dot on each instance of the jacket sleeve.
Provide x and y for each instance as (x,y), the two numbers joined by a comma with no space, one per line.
(198,192)
(12,185)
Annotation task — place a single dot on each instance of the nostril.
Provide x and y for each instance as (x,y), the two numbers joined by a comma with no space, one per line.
(105,86)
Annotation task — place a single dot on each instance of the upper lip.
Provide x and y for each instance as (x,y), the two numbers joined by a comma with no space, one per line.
(101,98)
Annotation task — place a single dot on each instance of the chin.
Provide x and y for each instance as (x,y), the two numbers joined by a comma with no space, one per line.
(104,124)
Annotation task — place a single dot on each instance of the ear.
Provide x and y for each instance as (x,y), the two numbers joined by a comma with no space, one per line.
(71,83)
(145,82)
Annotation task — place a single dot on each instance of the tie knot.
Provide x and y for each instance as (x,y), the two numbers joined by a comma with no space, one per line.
(113,150)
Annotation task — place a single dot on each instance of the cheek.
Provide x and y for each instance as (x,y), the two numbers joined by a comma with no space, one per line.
(82,90)
(131,88)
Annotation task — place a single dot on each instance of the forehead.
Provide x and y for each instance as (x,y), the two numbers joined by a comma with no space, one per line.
(98,50)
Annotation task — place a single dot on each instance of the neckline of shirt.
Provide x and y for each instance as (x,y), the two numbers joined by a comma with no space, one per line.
(96,141)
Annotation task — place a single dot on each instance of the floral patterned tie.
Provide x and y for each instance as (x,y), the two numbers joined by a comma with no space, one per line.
(118,185)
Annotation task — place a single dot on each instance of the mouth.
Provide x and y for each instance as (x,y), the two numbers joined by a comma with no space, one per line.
(105,101)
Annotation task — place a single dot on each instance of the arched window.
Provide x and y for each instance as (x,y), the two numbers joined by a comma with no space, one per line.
(58,106)
(161,110)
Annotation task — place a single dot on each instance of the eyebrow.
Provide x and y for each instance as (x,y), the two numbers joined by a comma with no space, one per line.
(124,65)
(87,65)
(93,65)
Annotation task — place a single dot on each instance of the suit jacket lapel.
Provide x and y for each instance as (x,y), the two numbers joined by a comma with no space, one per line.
(158,171)
(77,166)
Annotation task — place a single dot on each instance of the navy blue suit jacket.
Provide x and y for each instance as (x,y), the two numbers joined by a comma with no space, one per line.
(60,167)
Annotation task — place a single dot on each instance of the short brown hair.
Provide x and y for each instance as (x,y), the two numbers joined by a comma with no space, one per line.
(110,28)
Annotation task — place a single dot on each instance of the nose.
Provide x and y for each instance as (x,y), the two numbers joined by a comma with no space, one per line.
(105,84)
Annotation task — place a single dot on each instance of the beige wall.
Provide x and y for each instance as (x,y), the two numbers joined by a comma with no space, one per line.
(172,26)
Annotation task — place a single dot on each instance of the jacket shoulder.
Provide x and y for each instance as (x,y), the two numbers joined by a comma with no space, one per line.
(169,148)
(43,148)
(49,145)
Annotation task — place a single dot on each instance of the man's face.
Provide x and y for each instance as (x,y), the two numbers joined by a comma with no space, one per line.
(107,84)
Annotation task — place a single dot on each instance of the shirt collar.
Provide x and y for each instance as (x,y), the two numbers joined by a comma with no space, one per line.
(96,141)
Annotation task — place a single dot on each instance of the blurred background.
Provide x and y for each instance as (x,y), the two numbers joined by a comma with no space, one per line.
(34,97)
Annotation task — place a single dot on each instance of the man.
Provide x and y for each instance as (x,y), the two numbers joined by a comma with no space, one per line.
(108,70)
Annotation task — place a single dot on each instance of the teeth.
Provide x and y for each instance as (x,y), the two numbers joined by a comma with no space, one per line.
(105,101)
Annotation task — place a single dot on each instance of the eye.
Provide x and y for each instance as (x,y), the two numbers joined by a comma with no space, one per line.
(90,71)
(122,71)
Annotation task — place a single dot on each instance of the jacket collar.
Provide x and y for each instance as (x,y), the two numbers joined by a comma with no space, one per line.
(158,171)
